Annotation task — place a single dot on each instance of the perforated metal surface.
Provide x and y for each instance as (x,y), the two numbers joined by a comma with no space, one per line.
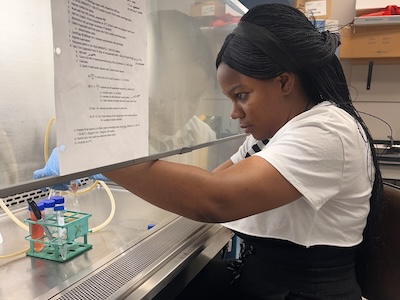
(125,269)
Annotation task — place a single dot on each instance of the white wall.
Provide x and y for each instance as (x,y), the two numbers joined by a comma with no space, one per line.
(383,97)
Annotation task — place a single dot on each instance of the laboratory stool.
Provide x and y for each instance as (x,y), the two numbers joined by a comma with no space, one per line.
(380,270)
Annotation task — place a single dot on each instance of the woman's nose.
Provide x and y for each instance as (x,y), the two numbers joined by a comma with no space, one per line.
(236,112)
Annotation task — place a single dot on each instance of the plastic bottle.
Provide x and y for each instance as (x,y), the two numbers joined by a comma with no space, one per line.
(54,192)
(71,197)
(36,230)
(62,232)
(48,207)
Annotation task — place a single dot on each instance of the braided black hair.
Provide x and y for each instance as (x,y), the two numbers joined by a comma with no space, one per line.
(317,66)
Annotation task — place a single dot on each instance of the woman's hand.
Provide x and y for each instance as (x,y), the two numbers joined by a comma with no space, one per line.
(52,168)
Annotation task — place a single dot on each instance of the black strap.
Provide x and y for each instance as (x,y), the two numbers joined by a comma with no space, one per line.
(257,147)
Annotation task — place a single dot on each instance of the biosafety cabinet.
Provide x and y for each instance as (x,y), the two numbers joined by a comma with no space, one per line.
(119,83)
(100,70)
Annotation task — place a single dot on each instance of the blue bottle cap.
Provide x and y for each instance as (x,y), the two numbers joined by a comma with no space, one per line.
(58,207)
(150,226)
(48,203)
(58,199)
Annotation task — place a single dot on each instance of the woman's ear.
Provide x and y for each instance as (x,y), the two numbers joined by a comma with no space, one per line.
(287,80)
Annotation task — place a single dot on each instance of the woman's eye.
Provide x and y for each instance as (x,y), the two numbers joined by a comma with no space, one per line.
(241,96)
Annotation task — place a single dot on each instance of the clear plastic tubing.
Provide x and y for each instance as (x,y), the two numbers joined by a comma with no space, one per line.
(36,230)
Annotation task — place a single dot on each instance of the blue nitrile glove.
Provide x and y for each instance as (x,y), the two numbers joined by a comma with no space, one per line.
(99,177)
(52,168)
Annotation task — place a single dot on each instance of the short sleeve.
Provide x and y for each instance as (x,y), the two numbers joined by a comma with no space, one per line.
(310,156)
(241,153)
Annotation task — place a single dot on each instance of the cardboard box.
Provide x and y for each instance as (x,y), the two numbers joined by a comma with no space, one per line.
(326,24)
(207,9)
(370,42)
(318,9)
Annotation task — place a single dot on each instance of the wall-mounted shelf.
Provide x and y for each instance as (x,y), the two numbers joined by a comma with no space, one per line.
(377,20)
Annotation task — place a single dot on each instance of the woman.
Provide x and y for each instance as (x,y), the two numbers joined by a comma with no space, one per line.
(301,203)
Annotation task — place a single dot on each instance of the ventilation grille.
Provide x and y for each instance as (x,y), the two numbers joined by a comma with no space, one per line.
(19,201)
(104,283)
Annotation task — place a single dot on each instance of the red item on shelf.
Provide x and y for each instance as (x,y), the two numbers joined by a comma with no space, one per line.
(224,20)
(387,11)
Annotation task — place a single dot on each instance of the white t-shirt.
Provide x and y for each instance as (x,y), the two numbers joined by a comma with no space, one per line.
(322,153)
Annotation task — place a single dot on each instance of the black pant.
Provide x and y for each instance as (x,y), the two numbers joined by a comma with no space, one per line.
(280,270)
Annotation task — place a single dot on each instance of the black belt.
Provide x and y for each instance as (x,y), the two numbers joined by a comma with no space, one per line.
(286,253)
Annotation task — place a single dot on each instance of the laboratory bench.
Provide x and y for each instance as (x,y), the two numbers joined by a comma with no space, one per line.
(388,154)
(127,260)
